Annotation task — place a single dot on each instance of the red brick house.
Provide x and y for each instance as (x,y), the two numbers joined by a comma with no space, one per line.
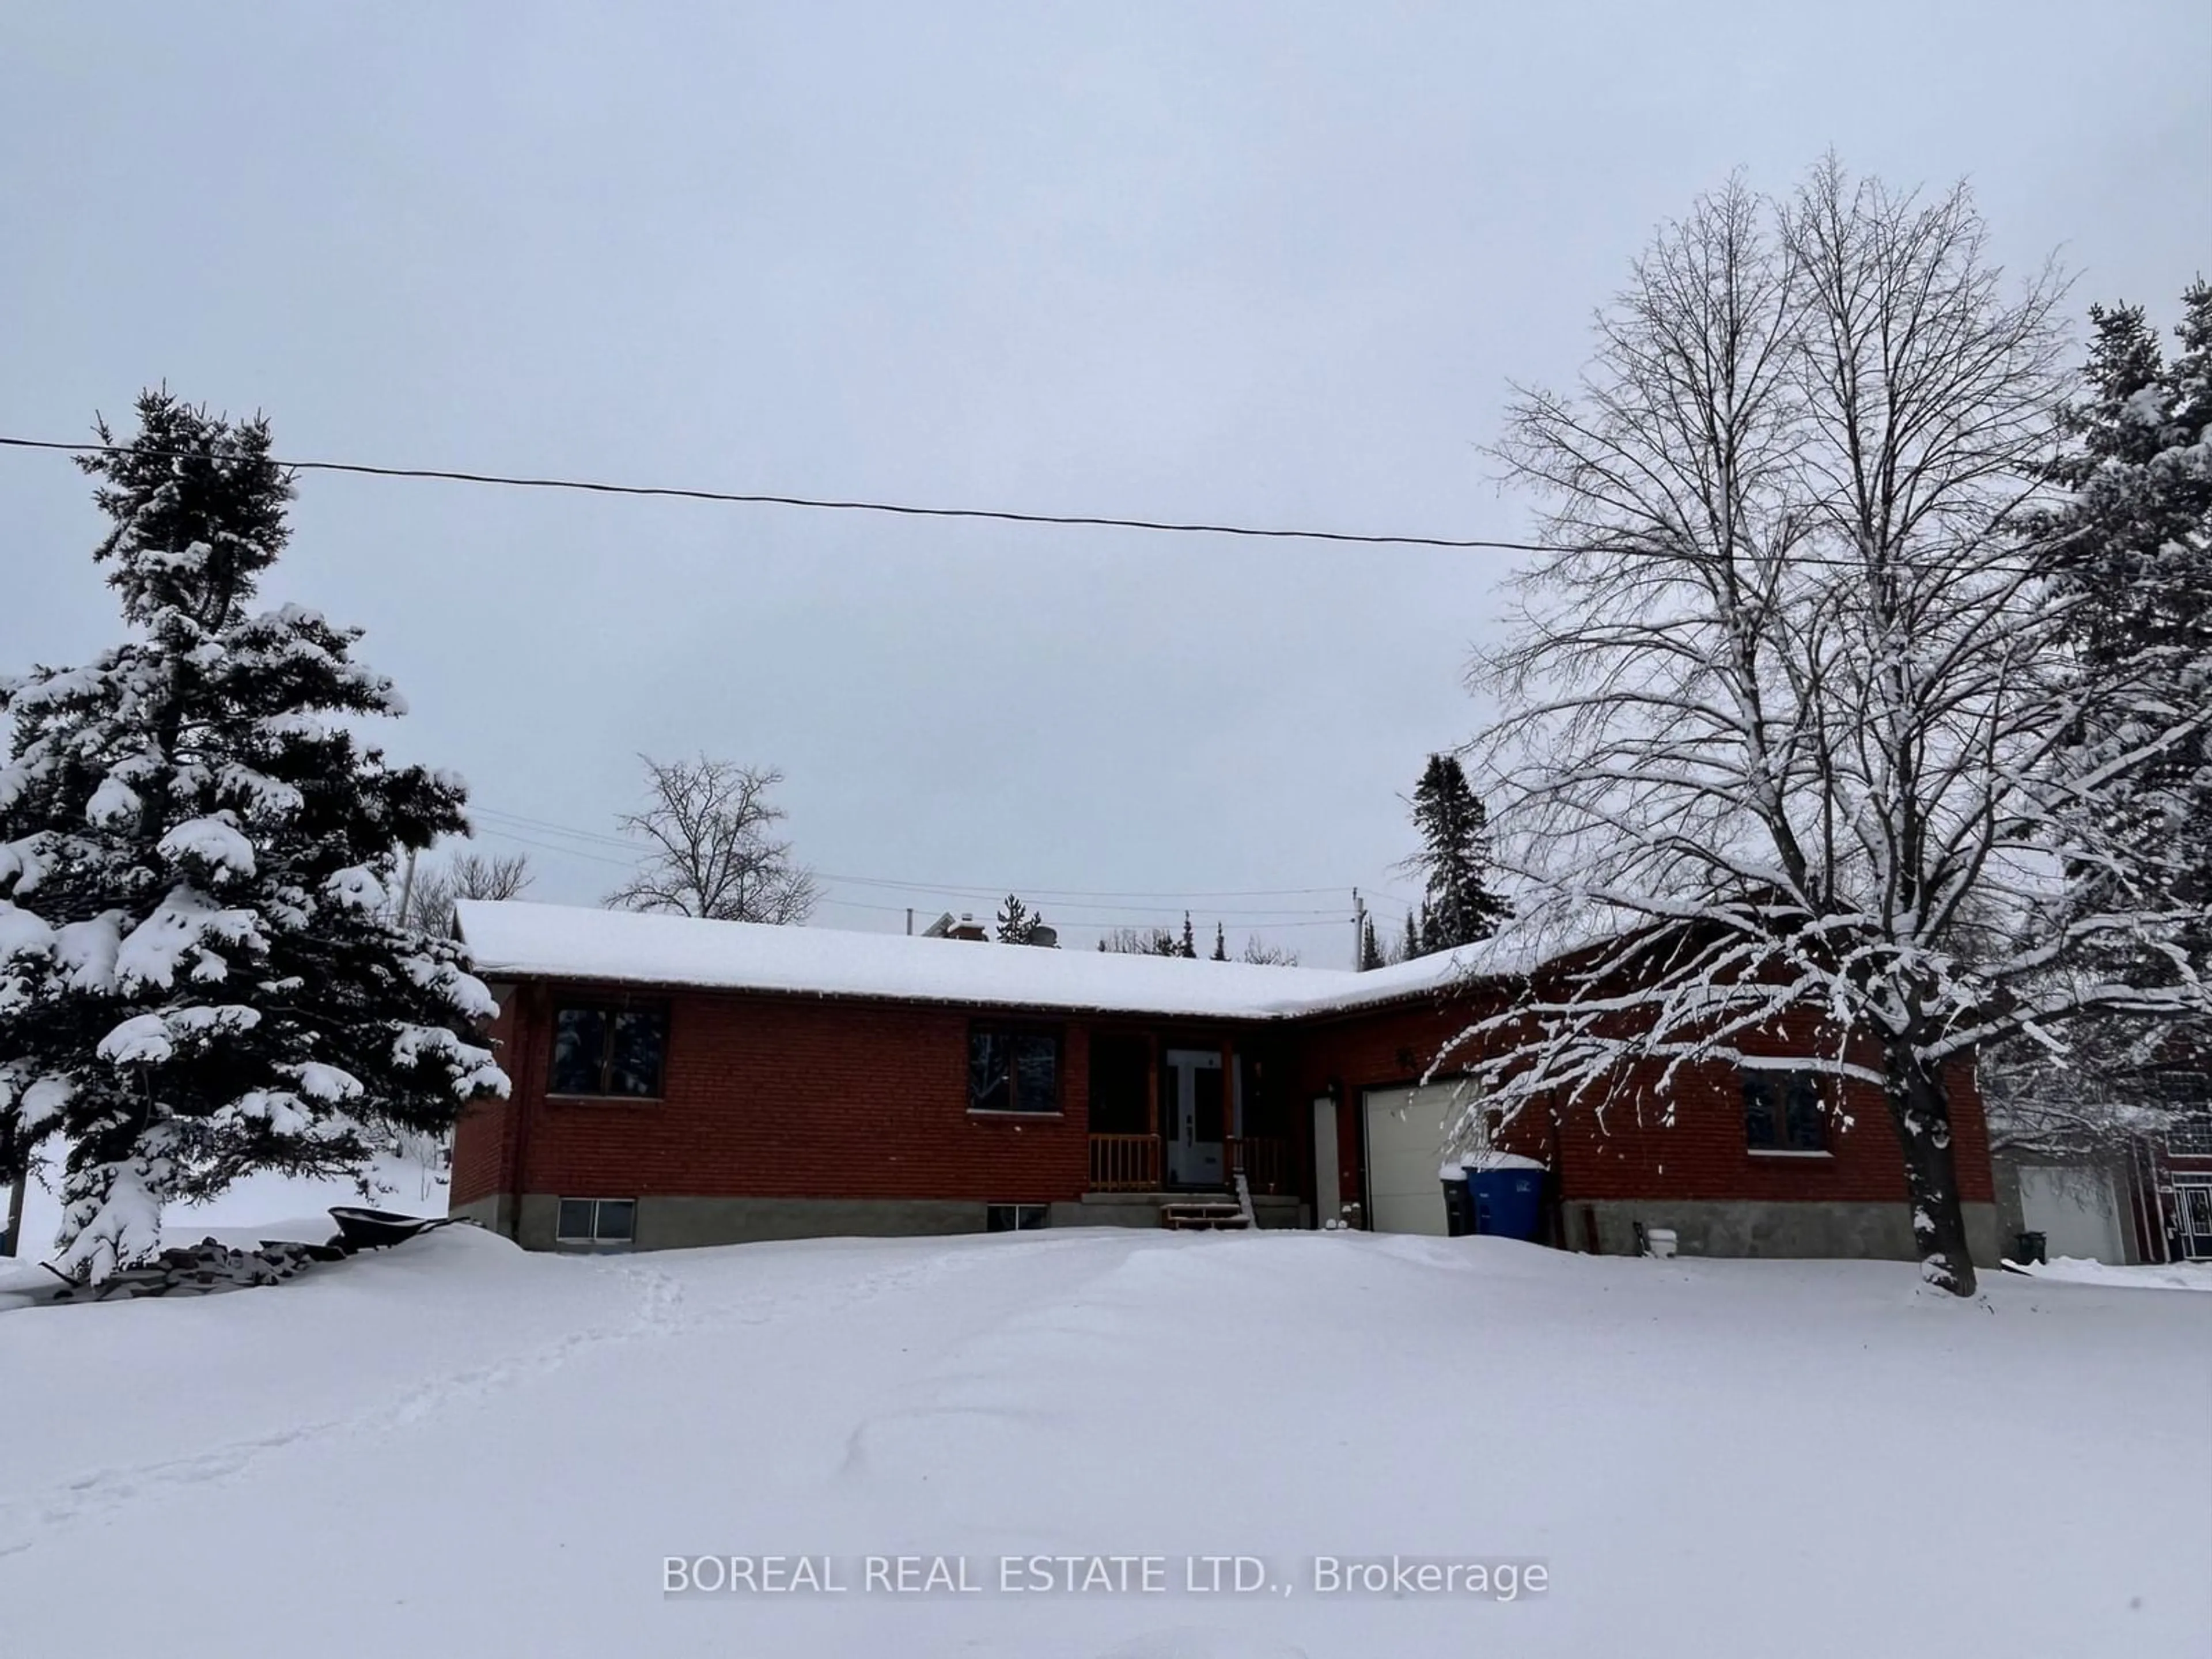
(679,1082)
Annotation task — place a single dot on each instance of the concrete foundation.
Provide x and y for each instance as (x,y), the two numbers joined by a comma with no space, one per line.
(1881,1232)
(495,1213)
(673,1223)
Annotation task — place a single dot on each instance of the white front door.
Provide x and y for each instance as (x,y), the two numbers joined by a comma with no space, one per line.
(1196,1116)
(2193,1203)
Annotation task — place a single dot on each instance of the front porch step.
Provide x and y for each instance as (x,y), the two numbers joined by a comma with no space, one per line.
(1162,1195)
(1197,1215)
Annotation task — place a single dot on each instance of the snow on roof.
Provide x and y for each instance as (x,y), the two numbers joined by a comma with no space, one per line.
(513,939)
(1422,976)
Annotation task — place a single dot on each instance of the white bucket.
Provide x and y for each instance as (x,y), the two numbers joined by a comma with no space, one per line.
(1659,1242)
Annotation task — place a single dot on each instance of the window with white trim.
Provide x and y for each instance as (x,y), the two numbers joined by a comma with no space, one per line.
(1784,1112)
(609,1050)
(1013,1069)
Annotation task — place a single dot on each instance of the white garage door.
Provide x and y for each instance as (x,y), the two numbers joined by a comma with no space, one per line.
(2074,1209)
(1405,1131)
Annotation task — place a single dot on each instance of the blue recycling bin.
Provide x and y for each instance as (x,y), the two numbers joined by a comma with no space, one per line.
(1507,1203)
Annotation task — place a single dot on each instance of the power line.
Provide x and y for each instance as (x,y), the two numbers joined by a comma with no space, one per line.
(957,889)
(908,509)
(902,509)
(1245,917)
(1068,909)
(1060,919)
(1247,921)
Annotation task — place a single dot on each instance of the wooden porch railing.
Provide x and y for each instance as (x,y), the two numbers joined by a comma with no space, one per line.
(1125,1164)
(1265,1162)
(1131,1163)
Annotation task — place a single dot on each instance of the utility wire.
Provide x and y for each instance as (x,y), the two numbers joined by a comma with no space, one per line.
(1003,516)
(956,893)
(1248,917)
(903,509)
(957,889)
(1246,920)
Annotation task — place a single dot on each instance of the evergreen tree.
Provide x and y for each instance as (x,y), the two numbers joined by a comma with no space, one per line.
(1018,923)
(1369,955)
(1188,945)
(1412,942)
(2131,547)
(1220,943)
(199,974)
(1460,908)
(2130,552)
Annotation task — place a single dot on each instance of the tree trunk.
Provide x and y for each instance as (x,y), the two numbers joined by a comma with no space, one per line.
(1920,1111)
(11,1240)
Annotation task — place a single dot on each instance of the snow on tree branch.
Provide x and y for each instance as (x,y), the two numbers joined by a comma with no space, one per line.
(1791,708)
(198,980)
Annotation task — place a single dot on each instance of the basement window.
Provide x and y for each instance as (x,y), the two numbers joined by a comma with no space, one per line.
(1783,1112)
(1013,1071)
(1013,1218)
(595,1221)
(609,1050)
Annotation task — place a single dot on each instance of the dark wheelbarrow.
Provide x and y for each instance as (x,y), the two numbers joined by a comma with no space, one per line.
(376,1230)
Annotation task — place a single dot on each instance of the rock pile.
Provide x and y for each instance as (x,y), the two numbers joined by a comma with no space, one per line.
(204,1269)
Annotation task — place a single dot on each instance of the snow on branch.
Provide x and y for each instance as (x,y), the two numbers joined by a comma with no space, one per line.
(1796,704)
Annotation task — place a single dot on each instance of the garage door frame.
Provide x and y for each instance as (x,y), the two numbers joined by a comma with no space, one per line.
(2068,1203)
(1389,1096)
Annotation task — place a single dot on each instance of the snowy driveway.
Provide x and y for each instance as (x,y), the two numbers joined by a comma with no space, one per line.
(460,1448)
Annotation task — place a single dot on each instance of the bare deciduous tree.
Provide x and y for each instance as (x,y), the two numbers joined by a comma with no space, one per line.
(435,889)
(1263,953)
(1140,942)
(708,827)
(1787,716)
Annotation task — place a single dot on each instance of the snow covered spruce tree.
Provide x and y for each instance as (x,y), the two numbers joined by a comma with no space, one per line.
(1789,719)
(198,978)
(2129,547)
(1458,908)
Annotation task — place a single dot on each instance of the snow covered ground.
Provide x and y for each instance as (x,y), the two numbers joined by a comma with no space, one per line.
(456,1448)
(407,1185)
(2079,1270)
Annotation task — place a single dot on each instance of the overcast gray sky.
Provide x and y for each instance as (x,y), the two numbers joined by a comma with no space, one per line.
(1266,263)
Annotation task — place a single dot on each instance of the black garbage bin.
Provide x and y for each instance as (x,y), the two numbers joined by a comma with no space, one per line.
(1459,1210)
(2030,1247)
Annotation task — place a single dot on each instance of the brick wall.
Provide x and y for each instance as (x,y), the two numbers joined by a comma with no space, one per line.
(791,1097)
(1687,1142)
(1391,1046)
(482,1138)
(781,1096)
